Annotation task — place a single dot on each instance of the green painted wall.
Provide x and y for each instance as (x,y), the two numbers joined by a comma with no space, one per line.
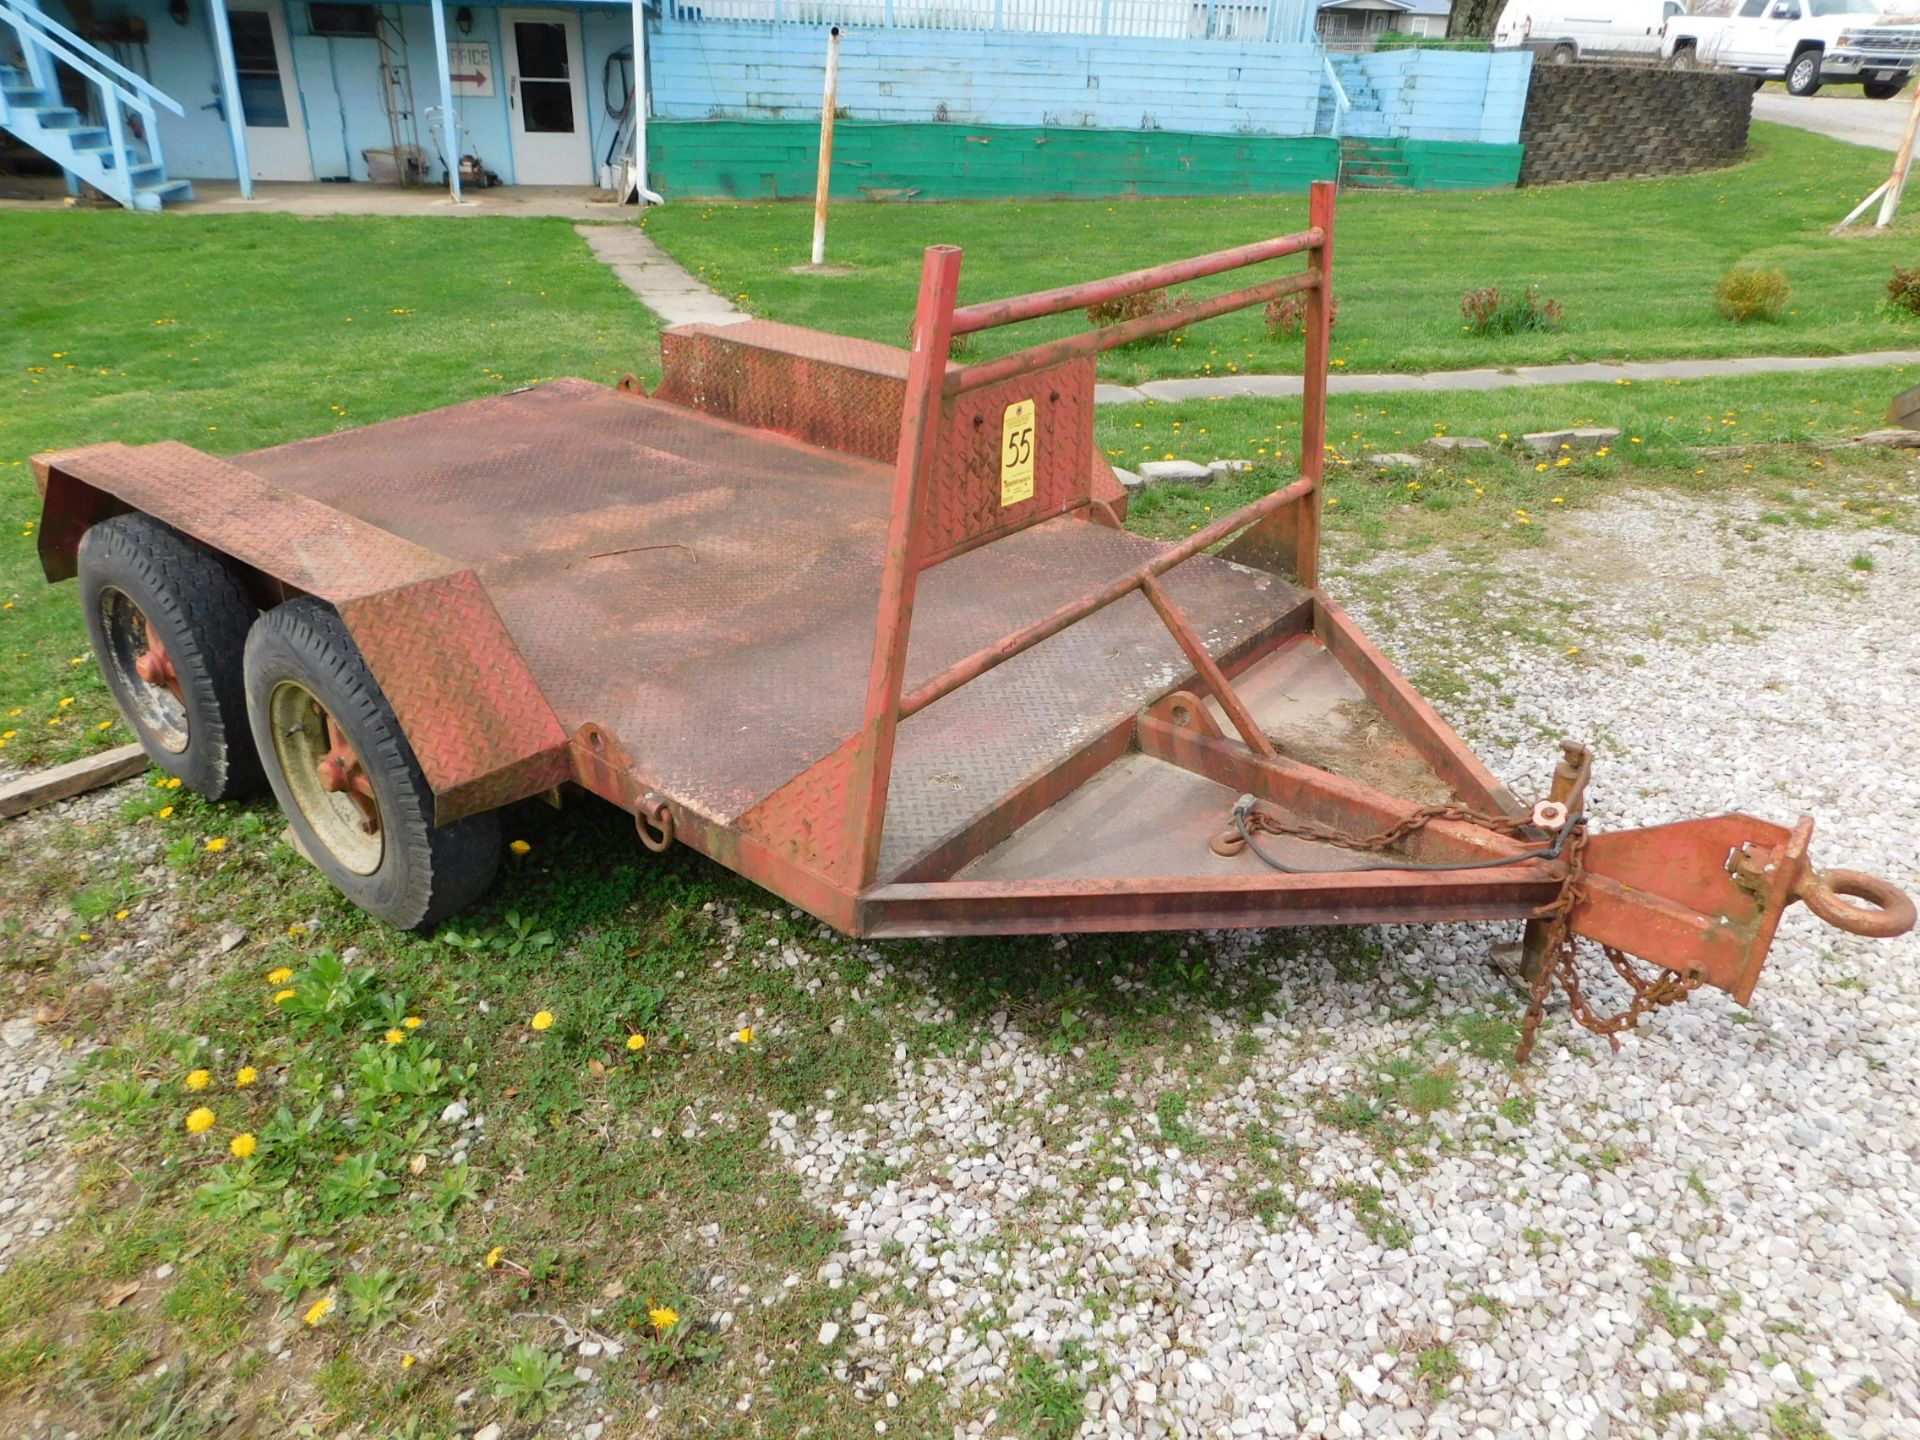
(776,159)
(1460,165)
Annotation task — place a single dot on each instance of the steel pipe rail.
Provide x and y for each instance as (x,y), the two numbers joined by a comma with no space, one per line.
(961,379)
(981,661)
(987,314)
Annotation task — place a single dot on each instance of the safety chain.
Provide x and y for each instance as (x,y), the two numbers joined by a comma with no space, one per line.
(1558,962)
(1267,824)
(1558,965)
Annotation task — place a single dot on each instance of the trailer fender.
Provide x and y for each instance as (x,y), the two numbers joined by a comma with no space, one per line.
(478,723)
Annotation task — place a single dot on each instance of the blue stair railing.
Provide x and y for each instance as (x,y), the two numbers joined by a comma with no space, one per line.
(119,155)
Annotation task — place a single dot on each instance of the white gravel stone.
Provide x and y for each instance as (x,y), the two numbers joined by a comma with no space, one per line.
(1764,1173)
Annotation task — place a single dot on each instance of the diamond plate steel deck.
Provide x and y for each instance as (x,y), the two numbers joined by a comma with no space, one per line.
(694,586)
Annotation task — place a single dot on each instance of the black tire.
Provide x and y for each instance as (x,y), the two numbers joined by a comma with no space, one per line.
(1684,57)
(141,580)
(1803,73)
(416,875)
(1563,55)
(1882,89)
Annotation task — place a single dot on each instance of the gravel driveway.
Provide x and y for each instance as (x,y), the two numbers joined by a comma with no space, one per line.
(1844,115)
(1718,1226)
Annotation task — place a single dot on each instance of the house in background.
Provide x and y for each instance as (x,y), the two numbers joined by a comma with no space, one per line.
(962,97)
(1357,24)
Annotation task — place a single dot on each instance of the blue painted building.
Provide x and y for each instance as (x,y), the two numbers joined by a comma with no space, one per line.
(134,95)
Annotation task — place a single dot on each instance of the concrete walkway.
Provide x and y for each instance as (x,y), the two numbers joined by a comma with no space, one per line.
(1878,124)
(663,286)
(1222,387)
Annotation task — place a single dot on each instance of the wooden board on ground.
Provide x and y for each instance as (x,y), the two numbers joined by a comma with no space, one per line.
(1905,409)
(76,777)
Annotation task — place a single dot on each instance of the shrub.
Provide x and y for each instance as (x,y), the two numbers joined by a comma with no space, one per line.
(1132,307)
(1488,312)
(1287,316)
(1749,293)
(1903,290)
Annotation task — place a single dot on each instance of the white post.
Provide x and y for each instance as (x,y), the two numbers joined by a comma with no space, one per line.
(230,94)
(449,127)
(642,103)
(823,182)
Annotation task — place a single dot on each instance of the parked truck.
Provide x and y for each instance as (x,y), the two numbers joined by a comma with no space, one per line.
(1807,43)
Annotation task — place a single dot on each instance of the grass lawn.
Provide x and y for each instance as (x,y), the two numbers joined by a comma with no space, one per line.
(233,333)
(1633,262)
(396,1260)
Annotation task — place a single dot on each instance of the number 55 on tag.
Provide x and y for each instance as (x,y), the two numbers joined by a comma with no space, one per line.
(1016,453)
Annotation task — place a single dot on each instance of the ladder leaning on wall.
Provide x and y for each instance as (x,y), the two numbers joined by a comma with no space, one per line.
(396,92)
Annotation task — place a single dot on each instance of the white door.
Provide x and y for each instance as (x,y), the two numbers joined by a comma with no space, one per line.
(546,97)
(276,127)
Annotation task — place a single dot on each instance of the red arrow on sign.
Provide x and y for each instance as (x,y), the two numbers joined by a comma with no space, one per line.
(477,78)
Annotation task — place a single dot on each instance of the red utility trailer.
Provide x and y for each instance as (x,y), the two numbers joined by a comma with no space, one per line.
(863,625)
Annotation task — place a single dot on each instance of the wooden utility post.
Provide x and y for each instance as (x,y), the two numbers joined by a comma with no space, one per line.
(823,182)
(1889,190)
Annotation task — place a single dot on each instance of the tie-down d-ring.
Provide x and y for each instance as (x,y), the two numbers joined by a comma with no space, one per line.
(654,821)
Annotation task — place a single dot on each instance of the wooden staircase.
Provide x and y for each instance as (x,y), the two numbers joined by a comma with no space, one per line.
(115,145)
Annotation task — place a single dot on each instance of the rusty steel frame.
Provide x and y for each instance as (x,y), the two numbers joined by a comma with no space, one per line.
(1701,897)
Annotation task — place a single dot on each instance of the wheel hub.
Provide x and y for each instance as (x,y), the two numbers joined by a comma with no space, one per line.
(147,681)
(329,783)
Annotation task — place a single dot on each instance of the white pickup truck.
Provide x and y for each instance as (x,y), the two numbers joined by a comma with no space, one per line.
(1807,43)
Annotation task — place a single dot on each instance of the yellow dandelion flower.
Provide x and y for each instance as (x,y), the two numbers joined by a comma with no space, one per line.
(166,812)
(66,702)
(520,847)
(83,937)
(242,1145)
(663,1318)
(296,928)
(173,783)
(217,844)
(244,1077)
(279,975)
(395,1036)
(104,725)
(280,997)
(407,1362)
(121,914)
(318,1312)
(199,1079)
(495,1256)
(413,1022)
(744,1035)
(199,1121)
(636,1042)
(543,1020)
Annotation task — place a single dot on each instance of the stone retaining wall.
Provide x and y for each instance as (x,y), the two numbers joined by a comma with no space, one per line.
(1607,122)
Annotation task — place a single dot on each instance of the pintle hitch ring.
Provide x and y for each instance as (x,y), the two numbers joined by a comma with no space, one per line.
(654,821)
(1888,911)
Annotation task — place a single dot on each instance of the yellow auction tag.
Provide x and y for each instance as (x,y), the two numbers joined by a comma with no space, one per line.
(1016,453)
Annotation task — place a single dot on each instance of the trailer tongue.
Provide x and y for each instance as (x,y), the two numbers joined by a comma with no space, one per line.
(670,600)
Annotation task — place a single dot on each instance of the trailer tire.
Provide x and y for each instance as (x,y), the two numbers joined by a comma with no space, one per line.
(1803,72)
(308,693)
(1685,56)
(1563,54)
(151,595)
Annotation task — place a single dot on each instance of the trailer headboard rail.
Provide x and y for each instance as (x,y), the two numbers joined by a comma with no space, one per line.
(1279,531)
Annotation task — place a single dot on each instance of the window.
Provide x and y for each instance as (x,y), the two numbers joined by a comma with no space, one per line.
(258,65)
(338,19)
(1753,9)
